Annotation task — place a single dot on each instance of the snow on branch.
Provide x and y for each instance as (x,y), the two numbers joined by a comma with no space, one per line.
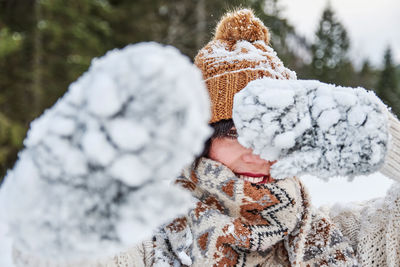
(95,173)
(312,128)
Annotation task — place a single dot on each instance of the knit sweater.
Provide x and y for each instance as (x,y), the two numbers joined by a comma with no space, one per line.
(364,234)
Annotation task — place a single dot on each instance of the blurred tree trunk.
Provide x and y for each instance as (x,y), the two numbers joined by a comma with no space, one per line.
(176,25)
(37,61)
(201,25)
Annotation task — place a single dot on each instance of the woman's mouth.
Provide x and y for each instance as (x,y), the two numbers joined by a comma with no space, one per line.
(255,178)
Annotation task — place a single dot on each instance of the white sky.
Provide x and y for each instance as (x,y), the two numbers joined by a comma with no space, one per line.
(372,25)
(340,190)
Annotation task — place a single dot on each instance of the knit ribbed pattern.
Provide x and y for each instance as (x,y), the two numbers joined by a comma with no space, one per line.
(391,167)
(24,259)
(138,256)
(238,54)
(372,228)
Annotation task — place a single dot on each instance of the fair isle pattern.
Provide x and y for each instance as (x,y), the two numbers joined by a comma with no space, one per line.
(318,242)
(257,214)
(236,223)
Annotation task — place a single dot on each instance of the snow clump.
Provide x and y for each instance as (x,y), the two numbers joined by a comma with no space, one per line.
(312,128)
(94,177)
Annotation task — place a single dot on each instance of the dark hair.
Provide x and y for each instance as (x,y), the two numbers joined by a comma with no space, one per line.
(221,129)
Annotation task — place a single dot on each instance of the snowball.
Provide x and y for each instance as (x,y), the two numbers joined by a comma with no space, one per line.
(302,126)
(285,140)
(89,181)
(328,118)
(324,102)
(270,154)
(62,126)
(75,162)
(343,97)
(133,225)
(128,134)
(38,129)
(75,93)
(277,98)
(356,116)
(314,128)
(97,148)
(129,169)
(102,97)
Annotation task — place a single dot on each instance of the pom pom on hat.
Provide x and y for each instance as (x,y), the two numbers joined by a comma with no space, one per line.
(241,25)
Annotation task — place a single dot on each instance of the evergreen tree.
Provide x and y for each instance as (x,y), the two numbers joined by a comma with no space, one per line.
(45,45)
(367,76)
(329,52)
(71,33)
(398,75)
(387,87)
(15,50)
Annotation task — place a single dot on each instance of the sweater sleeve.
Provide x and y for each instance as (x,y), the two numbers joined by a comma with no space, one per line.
(138,256)
(391,167)
(141,255)
(23,259)
(372,228)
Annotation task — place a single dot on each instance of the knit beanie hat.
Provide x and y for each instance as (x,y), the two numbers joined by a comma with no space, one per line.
(238,54)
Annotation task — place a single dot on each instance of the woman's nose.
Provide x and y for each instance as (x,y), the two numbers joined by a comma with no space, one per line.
(252,158)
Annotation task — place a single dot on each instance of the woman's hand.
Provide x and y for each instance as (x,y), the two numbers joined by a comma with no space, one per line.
(91,179)
(311,127)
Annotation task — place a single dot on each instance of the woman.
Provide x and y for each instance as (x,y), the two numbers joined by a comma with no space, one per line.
(246,218)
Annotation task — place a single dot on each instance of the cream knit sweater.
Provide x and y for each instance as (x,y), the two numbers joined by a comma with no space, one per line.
(372,227)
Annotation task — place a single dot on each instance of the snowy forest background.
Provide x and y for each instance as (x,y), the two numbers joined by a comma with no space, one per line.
(45,45)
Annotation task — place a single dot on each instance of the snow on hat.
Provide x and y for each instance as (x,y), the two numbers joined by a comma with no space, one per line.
(238,54)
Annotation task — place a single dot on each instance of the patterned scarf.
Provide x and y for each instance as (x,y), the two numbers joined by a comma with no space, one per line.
(237,223)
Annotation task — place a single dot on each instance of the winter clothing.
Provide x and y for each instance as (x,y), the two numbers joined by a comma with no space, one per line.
(364,234)
(103,148)
(237,223)
(238,54)
(342,131)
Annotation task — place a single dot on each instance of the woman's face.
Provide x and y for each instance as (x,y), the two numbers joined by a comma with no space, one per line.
(239,159)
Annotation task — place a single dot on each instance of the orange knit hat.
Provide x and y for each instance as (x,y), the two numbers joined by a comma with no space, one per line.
(238,54)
